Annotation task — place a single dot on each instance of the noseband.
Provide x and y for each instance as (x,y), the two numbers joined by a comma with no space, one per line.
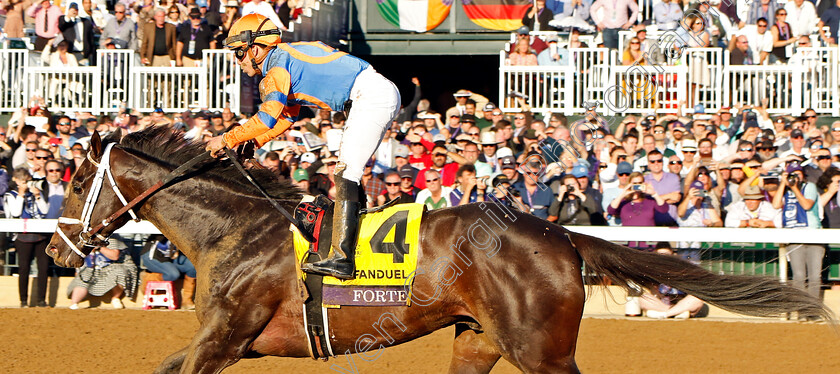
(90,237)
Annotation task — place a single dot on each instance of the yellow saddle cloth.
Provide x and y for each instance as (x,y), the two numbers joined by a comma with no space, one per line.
(386,257)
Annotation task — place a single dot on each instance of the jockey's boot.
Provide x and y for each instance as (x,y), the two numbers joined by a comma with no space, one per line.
(342,261)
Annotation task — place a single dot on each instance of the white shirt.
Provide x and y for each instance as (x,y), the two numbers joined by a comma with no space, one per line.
(738,212)
(803,20)
(758,42)
(425,194)
(264,9)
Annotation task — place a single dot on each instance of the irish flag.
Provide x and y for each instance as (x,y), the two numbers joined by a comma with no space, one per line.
(414,15)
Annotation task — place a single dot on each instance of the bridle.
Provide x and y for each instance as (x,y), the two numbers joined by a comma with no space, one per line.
(86,237)
(91,236)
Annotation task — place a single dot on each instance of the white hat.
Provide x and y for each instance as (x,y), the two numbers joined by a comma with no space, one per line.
(488,138)
(689,144)
(504,152)
(308,157)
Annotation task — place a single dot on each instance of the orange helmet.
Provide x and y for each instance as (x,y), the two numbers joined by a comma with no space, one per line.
(253,29)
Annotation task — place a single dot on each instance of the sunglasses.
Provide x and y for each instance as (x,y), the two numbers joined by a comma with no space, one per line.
(823,157)
(797,137)
(416,144)
(782,14)
(675,162)
(118,12)
(602,166)
(392,184)
(754,166)
(432,180)
(31,149)
(761,149)
(623,174)
(635,43)
(54,170)
(659,132)
(761,25)
(621,157)
(473,133)
(706,173)
(42,157)
(497,113)
(519,117)
(64,123)
(811,116)
(174,12)
(659,161)
(745,149)
(684,151)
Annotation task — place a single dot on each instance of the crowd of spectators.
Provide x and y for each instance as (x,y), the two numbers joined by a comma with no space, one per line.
(756,33)
(163,32)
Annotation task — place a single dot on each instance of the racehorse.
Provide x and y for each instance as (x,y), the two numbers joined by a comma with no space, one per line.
(516,292)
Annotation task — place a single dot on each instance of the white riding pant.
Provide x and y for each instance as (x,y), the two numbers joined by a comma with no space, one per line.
(376,102)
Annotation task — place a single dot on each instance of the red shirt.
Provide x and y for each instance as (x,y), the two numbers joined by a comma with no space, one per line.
(447,175)
(422,162)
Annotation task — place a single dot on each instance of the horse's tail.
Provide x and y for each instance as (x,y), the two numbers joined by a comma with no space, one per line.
(750,295)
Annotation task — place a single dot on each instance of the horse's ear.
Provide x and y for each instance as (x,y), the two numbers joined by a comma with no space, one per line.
(96,145)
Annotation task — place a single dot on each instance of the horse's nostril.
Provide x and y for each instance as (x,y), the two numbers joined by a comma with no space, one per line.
(53,250)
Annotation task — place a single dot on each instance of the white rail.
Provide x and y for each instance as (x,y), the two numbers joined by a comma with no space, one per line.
(120,78)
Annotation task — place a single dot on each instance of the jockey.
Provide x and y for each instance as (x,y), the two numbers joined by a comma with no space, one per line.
(316,75)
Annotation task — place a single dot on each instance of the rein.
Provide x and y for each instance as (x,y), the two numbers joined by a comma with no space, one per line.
(103,169)
(305,233)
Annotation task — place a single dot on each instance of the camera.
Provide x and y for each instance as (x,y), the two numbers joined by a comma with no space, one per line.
(570,188)
(703,193)
(792,180)
(639,187)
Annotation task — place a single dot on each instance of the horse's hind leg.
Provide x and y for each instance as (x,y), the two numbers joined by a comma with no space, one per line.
(172,364)
(473,352)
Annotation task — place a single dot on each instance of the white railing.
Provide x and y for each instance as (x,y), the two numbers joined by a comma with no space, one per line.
(120,78)
(701,76)
(12,79)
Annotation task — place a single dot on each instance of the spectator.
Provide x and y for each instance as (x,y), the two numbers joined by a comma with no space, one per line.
(46,17)
(407,175)
(158,47)
(782,37)
(572,206)
(762,9)
(637,203)
(107,269)
(617,15)
(623,171)
(753,211)
(633,54)
(537,17)
(740,52)
(24,200)
(830,18)
(159,255)
(78,32)
(554,55)
(697,210)
(536,197)
(821,164)
(39,165)
(669,302)
(14,17)
(797,198)
(53,188)
(675,165)
(192,40)
(760,41)
(522,55)
(666,184)
(393,191)
(468,185)
(802,17)
(435,196)
(174,15)
(574,14)
(301,180)
(119,30)
(828,185)
(667,15)
(448,171)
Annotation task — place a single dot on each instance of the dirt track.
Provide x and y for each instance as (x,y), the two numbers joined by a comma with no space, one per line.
(134,341)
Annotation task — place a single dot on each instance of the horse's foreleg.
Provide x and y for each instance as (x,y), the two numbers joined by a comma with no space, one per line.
(172,364)
(472,353)
(224,337)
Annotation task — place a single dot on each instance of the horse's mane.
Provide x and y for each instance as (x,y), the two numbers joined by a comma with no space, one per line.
(168,146)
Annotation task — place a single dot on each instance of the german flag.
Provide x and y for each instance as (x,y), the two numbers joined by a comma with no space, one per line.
(504,15)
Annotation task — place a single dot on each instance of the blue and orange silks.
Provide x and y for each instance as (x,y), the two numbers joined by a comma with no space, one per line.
(298,74)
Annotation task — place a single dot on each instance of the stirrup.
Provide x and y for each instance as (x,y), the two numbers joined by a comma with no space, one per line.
(389,204)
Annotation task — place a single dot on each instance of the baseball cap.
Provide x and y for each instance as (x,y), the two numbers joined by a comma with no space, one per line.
(439,138)
(300,175)
(678,126)
(523,30)
(698,185)
(401,151)
(699,109)
(579,171)
(765,144)
(308,157)
(489,107)
(753,193)
(504,152)
(369,163)
(793,166)
(499,179)
(73,6)
(750,124)
(624,167)
(508,162)
(796,133)
(406,171)
(468,118)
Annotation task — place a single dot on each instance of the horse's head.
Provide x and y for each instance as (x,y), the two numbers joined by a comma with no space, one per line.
(89,199)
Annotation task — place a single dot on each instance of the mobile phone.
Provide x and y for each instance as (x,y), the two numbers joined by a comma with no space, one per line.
(639,187)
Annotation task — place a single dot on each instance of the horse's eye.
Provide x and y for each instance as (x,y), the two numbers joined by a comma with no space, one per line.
(77,189)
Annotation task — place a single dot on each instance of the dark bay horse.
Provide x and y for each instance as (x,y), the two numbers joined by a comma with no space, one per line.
(510,282)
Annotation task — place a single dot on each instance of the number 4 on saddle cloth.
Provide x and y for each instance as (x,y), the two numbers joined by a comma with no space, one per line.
(386,254)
